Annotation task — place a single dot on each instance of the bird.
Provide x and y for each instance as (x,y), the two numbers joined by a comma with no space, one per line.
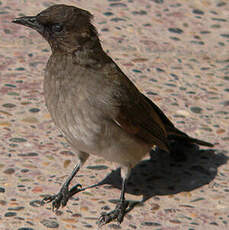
(96,106)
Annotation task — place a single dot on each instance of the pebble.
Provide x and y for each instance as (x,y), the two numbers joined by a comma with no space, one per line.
(10,85)
(196,109)
(9,171)
(50,223)
(16,208)
(176,30)
(32,154)
(117,19)
(17,140)
(31,120)
(196,11)
(114,226)
(97,167)
(67,163)
(221,4)
(155,207)
(34,110)
(3,202)
(67,153)
(118,5)
(175,221)
(141,12)
(148,223)
(9,105)
(159,1)
(108,13)
(198,199)
(35,203)
(70,220)
(184,113)
(20,69)
(10,214)
(25,228)
(84,209)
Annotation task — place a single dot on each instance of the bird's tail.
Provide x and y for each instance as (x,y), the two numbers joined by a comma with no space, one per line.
(172,131)
(178,135)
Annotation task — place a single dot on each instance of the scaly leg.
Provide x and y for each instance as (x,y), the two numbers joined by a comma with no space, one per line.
(62,197)
(119,211)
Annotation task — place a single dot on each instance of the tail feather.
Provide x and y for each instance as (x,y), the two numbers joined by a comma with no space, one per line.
(172,131)
(188,139)
(200,142)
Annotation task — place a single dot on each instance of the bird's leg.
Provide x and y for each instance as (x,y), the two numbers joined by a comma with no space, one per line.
(74,189)
(62,197)
(119,211)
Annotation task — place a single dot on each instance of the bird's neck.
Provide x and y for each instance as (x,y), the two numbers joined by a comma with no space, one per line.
(89,54)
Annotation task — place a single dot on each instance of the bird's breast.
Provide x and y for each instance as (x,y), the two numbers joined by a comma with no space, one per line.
(69,104)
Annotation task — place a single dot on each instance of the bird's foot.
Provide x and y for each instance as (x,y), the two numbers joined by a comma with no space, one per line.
(62,197)
(118,213)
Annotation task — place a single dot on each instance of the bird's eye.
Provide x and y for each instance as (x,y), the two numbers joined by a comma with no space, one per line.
(57,28)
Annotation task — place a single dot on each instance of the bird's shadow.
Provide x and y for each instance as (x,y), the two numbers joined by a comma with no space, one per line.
(163,174)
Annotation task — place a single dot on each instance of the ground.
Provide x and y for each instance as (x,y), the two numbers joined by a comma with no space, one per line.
(176,52)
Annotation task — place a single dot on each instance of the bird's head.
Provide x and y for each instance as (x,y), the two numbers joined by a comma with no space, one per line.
(66,28)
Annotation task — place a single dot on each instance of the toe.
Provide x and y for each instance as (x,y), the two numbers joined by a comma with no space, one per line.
(102,219)
(48,199)
(56,205)
(118,213)
(64,200)
(120,217)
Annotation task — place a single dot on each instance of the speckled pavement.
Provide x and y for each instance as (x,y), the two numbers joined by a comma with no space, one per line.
(176,51)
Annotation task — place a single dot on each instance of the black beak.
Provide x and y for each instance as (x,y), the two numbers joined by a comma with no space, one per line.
(29,21)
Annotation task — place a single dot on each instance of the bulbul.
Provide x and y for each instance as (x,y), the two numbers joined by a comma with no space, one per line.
(95,105)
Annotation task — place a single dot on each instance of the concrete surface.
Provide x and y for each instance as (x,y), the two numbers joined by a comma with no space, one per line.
(176,51)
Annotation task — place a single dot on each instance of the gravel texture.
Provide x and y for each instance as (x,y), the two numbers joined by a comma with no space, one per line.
(177,53)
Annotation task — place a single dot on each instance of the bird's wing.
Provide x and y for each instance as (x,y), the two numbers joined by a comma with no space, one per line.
(164,118)
(172,132)
(134,114)
(137,120)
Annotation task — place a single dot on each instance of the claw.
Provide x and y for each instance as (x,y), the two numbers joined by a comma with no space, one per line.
(75,189)
(61,198)
(56,203)
(77,186)
(118,213)
(48,199)
(102,219)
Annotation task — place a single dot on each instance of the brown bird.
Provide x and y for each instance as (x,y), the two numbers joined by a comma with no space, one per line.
(95,105)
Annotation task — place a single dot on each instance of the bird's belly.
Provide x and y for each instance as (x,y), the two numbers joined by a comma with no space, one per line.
(118,146)
(88,133)
(86,130)
(79,130)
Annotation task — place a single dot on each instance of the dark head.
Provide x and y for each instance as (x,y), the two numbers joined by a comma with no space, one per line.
(66,28)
